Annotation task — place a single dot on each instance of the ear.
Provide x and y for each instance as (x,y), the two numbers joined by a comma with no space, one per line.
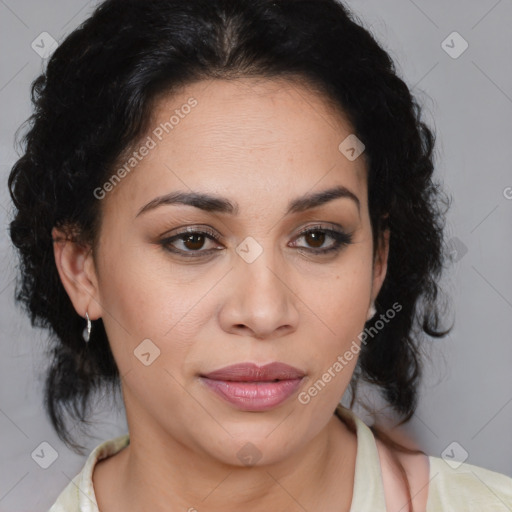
(380,265)
(75,265)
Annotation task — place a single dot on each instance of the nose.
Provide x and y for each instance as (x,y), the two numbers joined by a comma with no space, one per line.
(260,299)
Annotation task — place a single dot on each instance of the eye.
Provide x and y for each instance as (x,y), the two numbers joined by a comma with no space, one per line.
(317,236)
(194,243)
(191,242)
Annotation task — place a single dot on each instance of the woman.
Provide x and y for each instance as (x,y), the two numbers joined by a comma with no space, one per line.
(227,208)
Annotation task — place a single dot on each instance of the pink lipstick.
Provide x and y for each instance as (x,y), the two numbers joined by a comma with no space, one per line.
(250,387)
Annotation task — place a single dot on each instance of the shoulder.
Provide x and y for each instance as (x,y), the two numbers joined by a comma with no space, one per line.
(461,486)
(441,486)
(68,500)
(417,470)
(437,485)
(79,494)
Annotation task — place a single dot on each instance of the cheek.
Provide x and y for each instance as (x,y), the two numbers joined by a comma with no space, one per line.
(340,299)
(337,309)
(143,298)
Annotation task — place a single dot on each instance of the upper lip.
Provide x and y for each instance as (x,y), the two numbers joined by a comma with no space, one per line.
(251,372)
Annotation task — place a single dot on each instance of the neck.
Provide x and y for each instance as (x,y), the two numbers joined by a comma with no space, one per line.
(158,473)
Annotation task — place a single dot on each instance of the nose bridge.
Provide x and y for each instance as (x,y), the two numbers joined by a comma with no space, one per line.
(259,298)
(258,269)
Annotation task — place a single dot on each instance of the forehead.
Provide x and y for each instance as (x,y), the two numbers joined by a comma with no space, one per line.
(246,137)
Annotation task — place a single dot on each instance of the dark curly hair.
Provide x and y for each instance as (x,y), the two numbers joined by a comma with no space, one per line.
(94,101)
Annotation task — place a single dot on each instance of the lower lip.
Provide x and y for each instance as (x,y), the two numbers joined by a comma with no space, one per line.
(253,396)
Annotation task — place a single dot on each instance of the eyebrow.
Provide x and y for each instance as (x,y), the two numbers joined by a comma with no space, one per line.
(217,204)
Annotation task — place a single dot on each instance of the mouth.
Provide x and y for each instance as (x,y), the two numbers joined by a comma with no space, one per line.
(250,387)
(251,372)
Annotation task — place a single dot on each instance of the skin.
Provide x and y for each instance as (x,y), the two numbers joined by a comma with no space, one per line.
(261,144)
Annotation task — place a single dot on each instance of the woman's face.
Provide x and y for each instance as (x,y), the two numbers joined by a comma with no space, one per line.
(177,308)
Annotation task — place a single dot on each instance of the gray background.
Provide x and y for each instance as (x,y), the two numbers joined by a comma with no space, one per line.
(467,392)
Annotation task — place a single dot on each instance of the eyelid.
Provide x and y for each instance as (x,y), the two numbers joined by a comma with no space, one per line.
(207,230)
(326,226)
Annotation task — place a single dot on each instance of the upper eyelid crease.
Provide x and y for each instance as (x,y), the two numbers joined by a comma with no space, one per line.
(217,204)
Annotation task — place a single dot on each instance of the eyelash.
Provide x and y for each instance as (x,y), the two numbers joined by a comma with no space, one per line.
(341,240)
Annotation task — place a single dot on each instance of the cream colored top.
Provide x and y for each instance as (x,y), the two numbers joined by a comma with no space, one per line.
(452,487)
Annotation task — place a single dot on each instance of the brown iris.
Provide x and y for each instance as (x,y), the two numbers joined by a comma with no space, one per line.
(315,237)
(194,241)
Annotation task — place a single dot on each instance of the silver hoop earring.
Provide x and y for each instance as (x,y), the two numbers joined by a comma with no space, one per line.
(371,312)
(87,330)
